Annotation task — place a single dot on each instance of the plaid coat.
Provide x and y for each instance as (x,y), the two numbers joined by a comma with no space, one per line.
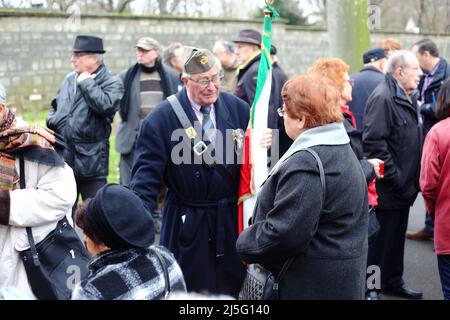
(133,274)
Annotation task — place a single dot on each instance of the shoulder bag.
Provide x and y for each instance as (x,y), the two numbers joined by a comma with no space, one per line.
(57,263)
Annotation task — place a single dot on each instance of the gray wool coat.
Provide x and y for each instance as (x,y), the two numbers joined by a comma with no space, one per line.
(329,243)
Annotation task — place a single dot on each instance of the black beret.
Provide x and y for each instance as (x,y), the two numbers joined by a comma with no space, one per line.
(118,217)
(373,55)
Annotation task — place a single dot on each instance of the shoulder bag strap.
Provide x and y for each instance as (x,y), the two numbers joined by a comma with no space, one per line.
(288,263)
(165,271)
(29,232)
(199,148)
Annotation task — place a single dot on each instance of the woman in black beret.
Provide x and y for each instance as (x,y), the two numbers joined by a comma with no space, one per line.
(119,233)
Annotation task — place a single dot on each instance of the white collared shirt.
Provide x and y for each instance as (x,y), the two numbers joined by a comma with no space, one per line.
(196,107)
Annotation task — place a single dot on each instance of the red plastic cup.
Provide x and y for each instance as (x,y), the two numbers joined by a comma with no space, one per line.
(381,168)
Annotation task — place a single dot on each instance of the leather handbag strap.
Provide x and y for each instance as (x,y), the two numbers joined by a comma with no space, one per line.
(187,126)
(288,263)
(29,232)
(166,273)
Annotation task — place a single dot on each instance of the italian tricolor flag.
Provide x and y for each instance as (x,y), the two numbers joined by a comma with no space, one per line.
(254,168)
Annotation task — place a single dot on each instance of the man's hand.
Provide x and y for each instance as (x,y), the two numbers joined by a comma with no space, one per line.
(266,139)
(85,75)
(377,164)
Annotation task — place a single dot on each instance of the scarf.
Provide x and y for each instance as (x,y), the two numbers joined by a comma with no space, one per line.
(9,179)
(128,83)
(33,143)
(332,134)
(346,111)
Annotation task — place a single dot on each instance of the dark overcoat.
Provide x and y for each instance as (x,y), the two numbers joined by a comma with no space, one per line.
(365,82)
(328,237)
(200,210)
(392,133)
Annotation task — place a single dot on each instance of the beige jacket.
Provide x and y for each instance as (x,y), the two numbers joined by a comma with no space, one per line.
(49,195)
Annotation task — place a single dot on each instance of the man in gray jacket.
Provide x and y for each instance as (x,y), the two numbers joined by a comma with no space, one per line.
(147,83)
(82,112)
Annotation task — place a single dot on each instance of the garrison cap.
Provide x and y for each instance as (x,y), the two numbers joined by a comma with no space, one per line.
(199,61)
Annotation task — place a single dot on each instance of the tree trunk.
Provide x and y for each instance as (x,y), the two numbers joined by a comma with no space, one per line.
(348,31)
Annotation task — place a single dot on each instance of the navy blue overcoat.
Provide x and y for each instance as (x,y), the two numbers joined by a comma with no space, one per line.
(200,209)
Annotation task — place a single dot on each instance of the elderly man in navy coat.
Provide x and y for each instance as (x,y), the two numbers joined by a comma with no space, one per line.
(200,212)
(365,81)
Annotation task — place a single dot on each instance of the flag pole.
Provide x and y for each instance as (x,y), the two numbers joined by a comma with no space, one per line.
(254,168)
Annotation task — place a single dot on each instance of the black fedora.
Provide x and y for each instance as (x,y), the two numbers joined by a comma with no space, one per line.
(85,43)
(249,36)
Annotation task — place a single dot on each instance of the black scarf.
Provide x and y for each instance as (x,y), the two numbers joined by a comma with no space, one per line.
(129,76)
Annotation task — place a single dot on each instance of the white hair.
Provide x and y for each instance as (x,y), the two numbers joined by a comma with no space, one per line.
(398,59)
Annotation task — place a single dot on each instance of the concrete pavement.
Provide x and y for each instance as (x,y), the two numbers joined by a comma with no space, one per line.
(421,271)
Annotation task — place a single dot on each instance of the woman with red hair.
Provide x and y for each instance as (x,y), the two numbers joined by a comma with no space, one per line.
(335,71)
(299,219)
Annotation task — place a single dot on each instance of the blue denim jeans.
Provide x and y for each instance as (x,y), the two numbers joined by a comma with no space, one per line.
(444,273)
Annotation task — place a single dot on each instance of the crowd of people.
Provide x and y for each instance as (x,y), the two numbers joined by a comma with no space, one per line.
(377,137)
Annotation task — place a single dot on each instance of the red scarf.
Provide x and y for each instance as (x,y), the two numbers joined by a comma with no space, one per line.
(346,110)
(372,190)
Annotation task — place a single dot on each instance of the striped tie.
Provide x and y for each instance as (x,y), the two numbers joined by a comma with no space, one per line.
(208,124)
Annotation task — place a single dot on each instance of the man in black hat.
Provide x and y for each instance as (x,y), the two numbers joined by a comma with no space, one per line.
(82,112)
(191,143)
(248,44)
(365,81)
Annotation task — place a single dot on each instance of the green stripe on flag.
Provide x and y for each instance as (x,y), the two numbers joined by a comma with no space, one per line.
(264,64)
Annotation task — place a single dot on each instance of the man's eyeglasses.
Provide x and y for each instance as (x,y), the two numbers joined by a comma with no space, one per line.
(204,82)
(281,112)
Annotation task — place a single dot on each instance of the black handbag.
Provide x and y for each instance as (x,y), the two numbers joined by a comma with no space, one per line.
(56,263)
(259,283)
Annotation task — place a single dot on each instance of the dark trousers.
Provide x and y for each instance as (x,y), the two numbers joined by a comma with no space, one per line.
(388,248)
(429,223)
(444,274)
(87,189)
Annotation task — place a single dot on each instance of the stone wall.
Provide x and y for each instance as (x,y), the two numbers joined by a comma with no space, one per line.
(35,47)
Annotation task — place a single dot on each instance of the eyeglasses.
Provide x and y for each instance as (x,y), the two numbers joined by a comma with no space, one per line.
(281,112)
(204,82)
